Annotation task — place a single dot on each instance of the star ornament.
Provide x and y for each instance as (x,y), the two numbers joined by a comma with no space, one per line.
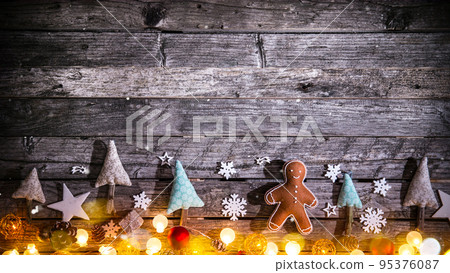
(70,206)
(444,211)
(165,159)
(330,210)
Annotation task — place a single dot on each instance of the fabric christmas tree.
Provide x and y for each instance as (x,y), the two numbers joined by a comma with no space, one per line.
(112,174)
(348,197)
(183,195)
(420,193)
(30,189)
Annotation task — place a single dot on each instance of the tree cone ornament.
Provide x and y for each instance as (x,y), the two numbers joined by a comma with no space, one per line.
(98,233)
(219,245)
(350,243)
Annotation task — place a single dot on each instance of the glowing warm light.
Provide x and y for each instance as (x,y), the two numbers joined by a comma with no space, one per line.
(272,249)
(11,252)
(430,246)
(31,250)
(153,246)
(406,250)
(292,248)
(414,239)
(447,252)
(82,237)
(160,223)
(107,250)
(227,235)
(357,252)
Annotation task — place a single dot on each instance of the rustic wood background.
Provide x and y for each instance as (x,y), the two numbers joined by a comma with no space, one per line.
(376,81)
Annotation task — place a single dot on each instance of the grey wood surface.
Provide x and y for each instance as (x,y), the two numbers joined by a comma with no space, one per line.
(337,117)
(212,192)
(229,15)
(367,157)
(134,81)
(356,50)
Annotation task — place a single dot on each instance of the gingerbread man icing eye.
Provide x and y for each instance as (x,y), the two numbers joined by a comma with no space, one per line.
(291,170)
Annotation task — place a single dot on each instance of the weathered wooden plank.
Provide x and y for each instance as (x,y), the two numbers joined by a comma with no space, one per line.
(367,50)
(223,82)
(339,117)
(395,230)
(393,158)
(34,49)
(212,192)
(357,50)
(220,15)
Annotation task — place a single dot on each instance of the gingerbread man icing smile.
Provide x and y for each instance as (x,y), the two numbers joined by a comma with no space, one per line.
(292,196)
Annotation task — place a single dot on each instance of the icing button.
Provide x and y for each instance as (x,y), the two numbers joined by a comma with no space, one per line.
(295,191)
(296,186)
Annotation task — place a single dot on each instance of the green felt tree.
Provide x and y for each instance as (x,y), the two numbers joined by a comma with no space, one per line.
(183,195)
(348,197)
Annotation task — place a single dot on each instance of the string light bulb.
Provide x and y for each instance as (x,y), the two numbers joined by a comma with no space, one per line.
(153,246)
(227,235)
(356,252)
(430,246)
(447,252)
(82,237)
(160,222)
(414,239)
(31,250)
(107,250)
(11,252)
(406,249)
(292,248)
(272,249)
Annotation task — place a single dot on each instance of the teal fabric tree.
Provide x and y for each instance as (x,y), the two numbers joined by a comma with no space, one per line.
(348,197)
(183,195)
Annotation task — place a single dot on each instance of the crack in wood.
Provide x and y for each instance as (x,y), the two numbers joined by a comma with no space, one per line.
(260,50)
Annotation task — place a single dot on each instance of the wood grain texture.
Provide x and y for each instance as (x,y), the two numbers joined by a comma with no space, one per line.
(357,50)
(225,82)
(212,192)
(395,230)
(366,50)
(337,117)
(230,15)
(367,157)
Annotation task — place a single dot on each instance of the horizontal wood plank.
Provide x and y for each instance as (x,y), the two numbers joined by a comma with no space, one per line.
(367,50)
(212,192)
(357,50)
(368,158)
(395,230)
(337,117)
(225,82)
(230,15)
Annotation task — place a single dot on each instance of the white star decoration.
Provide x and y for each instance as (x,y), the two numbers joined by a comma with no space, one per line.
(70,206)
(262,160)
(444,211)
(330,210)
(165,159)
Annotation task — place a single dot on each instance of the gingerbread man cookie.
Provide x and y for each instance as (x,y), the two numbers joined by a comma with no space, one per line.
(292,196)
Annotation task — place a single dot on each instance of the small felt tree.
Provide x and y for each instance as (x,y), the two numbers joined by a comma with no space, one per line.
(183,195)
(30,189)
(348,197)
(420,193)
(112,174)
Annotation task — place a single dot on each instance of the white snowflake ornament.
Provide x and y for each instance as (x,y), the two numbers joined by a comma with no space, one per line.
(227,169)
(333,171)
(330,210)
(261,160)
(234,207)
(381,186)
(79,169)
(141,201)
(373,220)
(111,229)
